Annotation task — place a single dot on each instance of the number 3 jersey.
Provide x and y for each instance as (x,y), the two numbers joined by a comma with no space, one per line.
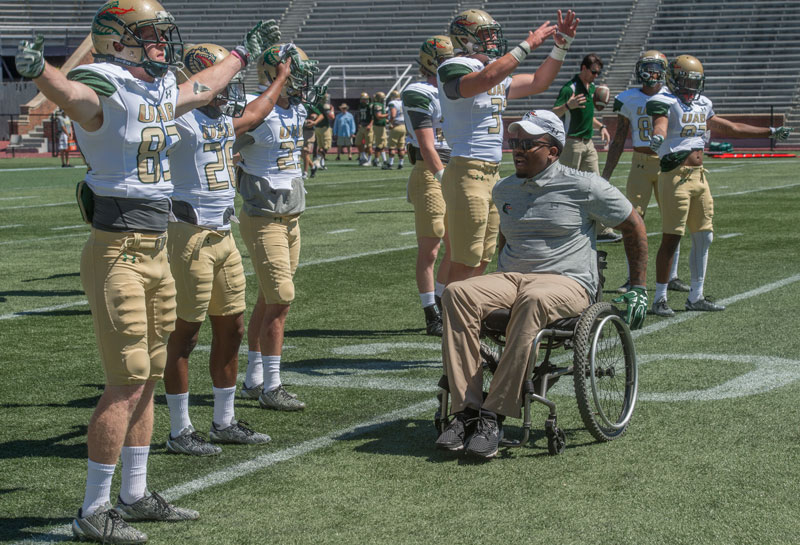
(202,170)
(687,123)
(274,153)
(472,126)
(632,105)
(128,156)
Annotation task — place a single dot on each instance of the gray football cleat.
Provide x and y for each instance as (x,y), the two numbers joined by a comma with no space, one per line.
(255,391)
(106,526)
(238,433)
(280,400)
(154,507)
(705,305)
(676,284)
(189,442)
(661,308)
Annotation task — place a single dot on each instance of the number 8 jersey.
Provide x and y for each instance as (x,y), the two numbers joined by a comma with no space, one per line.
(632,104)
(143,115)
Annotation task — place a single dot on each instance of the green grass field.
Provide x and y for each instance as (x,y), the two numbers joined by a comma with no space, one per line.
(712,455)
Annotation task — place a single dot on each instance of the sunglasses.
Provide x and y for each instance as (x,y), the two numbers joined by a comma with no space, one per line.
(526,144)
(595,72)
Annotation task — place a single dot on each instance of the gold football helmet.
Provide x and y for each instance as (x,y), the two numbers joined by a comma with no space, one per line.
(199,57)
(301,78)
(122,30)
(475,31)
(433,51)
(380,96)
(364,98)
(394,95)
(685,78)
(651,68)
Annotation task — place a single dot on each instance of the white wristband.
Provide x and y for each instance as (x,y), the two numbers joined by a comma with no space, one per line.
(521,51)
(558,53)
(438,175)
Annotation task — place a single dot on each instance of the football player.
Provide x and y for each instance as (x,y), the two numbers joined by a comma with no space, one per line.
(124,108)
(428,152)
(364,133)
(473,89)
(320,117)
(397,130)
(203,257)
(271,186)
(651,70)
(681,121)
(380,116)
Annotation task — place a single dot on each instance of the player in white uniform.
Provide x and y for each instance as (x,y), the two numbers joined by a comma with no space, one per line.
(681,120)
(397,130)
(428,152)
(473,89)
(124,108)
(271,186)
(630,105)
(204,260)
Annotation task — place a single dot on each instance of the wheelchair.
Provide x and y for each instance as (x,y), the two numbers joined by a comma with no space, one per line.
(603,368)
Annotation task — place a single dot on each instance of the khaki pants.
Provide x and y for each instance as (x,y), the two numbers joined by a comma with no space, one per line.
(535,299)
(379,136)
(131,293)
(324,137)
(580,154)
(642,181)
(425,193)
(685,201)
(397,137)
(364,135)
(274,246)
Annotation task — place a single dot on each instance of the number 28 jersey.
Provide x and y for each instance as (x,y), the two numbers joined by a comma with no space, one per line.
(275,151)
(128,156)
(202,167)
(687,124)
(472,126)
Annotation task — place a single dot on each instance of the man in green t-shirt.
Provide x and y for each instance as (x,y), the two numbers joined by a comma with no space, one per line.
(575,103)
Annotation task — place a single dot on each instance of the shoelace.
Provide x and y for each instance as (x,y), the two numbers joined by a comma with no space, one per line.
(162,506)
(196,439)
(245,427)
(115,520)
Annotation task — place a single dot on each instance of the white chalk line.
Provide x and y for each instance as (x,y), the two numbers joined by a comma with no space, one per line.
(37,205)
(22,313)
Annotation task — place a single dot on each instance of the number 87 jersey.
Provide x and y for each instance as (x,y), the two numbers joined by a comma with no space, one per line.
(688,123)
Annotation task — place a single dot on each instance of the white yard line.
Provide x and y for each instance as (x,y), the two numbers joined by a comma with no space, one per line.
(10,226)
(81,226)
(34,240)
(15,198)
(730,235)
(2,170)
(37,205)
(21,313)
(329,205)
(338,231)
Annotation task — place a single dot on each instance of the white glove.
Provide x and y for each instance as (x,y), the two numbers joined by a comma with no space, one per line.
(780,133)
(656,141)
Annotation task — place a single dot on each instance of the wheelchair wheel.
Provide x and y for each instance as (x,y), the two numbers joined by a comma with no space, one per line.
(605,372)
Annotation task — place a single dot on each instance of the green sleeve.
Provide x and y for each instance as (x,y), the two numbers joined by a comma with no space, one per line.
(617,105)
(655,107)
(563,95)
(94,81)
(413,99)
(452,71)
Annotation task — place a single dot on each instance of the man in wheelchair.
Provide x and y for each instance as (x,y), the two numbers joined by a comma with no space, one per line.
(547,270)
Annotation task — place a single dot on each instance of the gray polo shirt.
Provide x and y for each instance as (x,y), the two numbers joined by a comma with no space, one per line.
(549,222)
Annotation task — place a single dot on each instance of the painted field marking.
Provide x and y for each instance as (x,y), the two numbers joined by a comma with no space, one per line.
(407,233)
(15,198)
(11,226)
(36,168)
(338,231)
(37,205)
(730,235)
(82,225)
(347,203)
(34,240)
(21,313)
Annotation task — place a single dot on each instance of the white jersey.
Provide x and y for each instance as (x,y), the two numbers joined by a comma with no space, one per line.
(632,105)
(399,118)
(473,126)
(275,152)
(202,167)
(687,124)
(128,156)
(422,97)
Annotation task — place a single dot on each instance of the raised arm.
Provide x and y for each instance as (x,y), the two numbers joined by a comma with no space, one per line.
(617,146)
(260,108)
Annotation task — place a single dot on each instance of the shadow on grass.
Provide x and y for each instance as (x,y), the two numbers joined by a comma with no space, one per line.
(50,447)
(331,367)
(347,333)
(41,293)
(385,212)
(16,529)
(54,276)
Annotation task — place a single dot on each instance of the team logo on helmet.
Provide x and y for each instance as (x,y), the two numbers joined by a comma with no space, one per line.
(199,58)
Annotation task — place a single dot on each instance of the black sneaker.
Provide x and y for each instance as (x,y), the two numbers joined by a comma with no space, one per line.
(661,308)
(676,284)
(705,304)
(433,321)
(399,166)
(452,438)
(313,172)
(486,439)
(386,166)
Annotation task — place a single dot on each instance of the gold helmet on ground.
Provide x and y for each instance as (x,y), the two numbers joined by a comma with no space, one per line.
(199,57)
(685,78)
(475,31)
(651,68)
(131,25)
(433,51)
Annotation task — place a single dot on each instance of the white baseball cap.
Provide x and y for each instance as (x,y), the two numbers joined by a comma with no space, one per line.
(538,122)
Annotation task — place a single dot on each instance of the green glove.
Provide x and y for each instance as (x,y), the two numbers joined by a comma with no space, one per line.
(30,58)
(636,299)
(260,37)
(318,95)
(780,133)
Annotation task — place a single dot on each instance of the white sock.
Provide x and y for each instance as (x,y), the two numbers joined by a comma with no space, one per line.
(698,263)
(383,156)
(362,155)
(178,413)
(427,299)
(391,160)
(673,273)
(322,161)
(401,160)
(223,406)
(661,292)
(134,474)
(254,369)
(272,372)
(98,487)
(439,289)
